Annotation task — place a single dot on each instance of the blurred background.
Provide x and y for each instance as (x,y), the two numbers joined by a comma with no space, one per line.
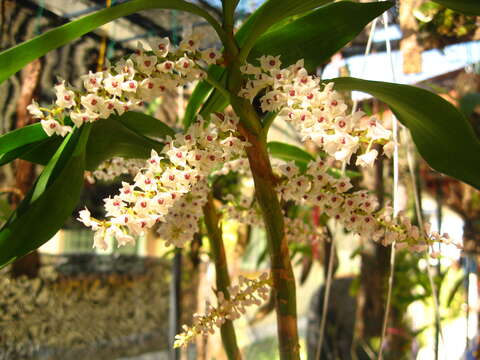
(70,301)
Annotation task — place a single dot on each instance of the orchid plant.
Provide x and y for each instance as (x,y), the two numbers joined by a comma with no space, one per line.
(265,71)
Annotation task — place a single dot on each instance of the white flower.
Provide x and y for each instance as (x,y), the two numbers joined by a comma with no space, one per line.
(112,84)
(93,81)
(85,218)
(146,64)
(367,159)
(269,62)
(129,86)
(160,47)
(79,118)
(65,97)
(376,131)
(92,102)
(35,111)
(184,64)
(210,56)
(166,66)
(53,127)
(126,68)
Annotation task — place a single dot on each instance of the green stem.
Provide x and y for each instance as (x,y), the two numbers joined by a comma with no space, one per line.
(229,42)
(281,267)
(212,220)
(284,288)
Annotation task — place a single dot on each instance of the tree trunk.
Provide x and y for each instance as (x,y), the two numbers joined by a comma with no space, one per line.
(25,171)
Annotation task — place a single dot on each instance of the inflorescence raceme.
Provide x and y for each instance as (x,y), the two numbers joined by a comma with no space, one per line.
(170,191)
(126,85)
(248,292)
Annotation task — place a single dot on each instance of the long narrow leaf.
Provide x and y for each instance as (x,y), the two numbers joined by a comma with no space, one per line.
(320,34)
(200,93)
(16,58)
(36,221)
(442,134)
(289,152)
(469,7)
(20,137)
(131,135)
(111,138)
(270,13)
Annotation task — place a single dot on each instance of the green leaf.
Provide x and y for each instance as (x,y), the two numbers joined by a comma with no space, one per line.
(469,102)
(20,137)
(442,134)
(41,152)
(16,58)
(289,152)
(122,136)
(131,135)
(272,11)
(200,93)
(36,220)
(311,38)
(469,7)
(145,125)
(55,164)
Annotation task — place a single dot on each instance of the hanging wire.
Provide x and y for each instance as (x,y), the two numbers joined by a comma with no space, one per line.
(395,197)
(439,196)
(367,52)
(418,211)
(326,297)
(328,286)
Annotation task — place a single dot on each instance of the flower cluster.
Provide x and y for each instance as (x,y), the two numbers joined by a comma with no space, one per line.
(111,169)
(124,86)
(357,211)
(296,229)
(171,189)
(248,292)
(319,115)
